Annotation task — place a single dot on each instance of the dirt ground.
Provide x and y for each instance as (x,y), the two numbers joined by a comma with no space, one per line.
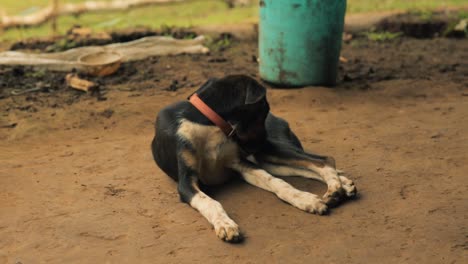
(78,183)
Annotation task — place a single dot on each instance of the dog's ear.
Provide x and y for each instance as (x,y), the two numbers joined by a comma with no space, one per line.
(255,92)
(206,85)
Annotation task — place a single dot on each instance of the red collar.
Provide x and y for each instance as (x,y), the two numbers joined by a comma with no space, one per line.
(211,115)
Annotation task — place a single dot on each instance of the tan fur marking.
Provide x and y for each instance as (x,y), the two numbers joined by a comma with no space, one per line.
(214,152)
(200,134)
(189,159)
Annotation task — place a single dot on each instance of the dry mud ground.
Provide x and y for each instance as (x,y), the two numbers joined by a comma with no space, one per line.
(78,183)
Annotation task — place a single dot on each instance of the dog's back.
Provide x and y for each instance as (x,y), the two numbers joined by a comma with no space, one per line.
(165,138)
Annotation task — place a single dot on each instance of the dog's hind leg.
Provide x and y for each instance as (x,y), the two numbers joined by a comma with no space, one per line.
(225,228)
(286,171)
(258,177)
(287,160)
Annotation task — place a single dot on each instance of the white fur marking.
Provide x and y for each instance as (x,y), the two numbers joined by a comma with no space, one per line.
(337,184)
(225,227)
(348,186)
(330,176)
(303,200)
(285,171)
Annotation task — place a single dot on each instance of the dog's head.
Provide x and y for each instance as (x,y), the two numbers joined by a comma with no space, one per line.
(241,101)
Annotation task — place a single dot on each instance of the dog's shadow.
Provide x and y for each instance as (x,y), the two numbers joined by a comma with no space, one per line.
(241,199)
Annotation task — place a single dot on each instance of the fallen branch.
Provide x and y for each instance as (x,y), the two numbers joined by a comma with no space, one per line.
(52,11)
(131,51)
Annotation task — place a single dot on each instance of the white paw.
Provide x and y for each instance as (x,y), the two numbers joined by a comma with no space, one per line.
(339,191)
(308,202)
(334,193)
(348,186)
(227,230)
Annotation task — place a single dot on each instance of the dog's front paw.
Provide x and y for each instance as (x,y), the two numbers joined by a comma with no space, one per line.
(228,231)
(309,202)
(334,194)
(348,186)
(339,191)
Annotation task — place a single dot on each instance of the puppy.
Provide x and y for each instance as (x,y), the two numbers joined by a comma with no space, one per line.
(226,129)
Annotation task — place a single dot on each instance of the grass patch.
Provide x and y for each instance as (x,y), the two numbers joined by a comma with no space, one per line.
(200,12)
(423,15)
(382,36)
(185,14)
(357,6)
(219,44)
(462,15)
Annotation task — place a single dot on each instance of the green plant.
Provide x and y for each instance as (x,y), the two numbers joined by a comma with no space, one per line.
(457,28)
(462,15)
(190,36)
(61,45)
(382,36)
(220,43)
(38,74)
(423,14)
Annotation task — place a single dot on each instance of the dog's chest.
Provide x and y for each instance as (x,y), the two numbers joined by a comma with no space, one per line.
(214,151)
(214,161)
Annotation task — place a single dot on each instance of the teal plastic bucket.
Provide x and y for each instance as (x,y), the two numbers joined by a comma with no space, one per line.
(300,41)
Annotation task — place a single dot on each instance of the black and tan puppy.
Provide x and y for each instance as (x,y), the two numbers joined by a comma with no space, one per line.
(225,129)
